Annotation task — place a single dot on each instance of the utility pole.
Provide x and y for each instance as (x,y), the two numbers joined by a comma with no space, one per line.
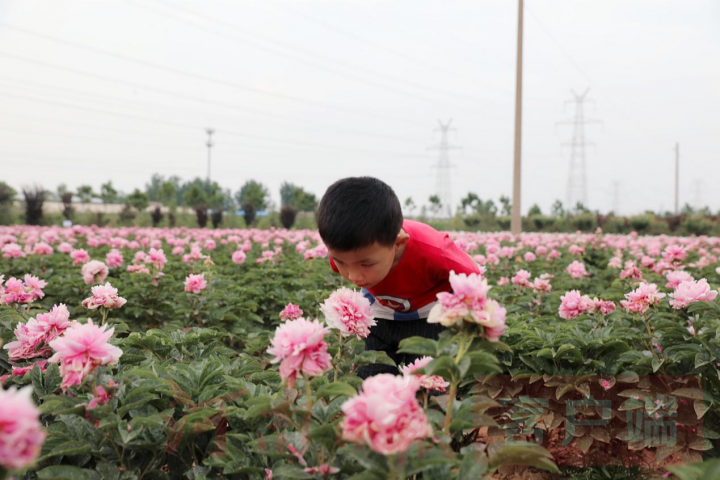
(209,144)
(677,178)
(442,180)
(516,218)
(577,178)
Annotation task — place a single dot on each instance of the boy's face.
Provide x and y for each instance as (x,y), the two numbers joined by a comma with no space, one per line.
(368,266)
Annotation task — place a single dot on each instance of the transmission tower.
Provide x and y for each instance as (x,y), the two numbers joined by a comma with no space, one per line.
(442,180)
(577,179)
(209,144)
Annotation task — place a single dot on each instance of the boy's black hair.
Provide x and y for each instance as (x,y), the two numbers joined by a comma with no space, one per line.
(356,212)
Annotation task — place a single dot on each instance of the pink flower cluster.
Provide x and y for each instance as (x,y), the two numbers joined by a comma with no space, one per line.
(19,291)
(640,299)
(291,312)
(195,283)
(469,302)
(349,312)
(81,349)
(238,257)
(573,304)
(94,272)
(676,277)
(691,291)
(79,256)
(577,270)
(34,336)
(21,435)
(433,383)
(300,347)
(105,296)
(385,415)
(114,258)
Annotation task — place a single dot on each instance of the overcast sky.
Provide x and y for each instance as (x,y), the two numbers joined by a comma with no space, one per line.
(310,91)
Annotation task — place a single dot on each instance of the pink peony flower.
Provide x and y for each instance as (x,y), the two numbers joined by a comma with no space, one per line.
(503,281)
(42,248)
(94,271)
(34,336)
(291,312)
(12,250)
(300,347)
(114,258)
(522,278)
(529,257)
(433,383)
(22,371)
(80,256)
(21,435)
(239,257)
(81,349)
(195,283)
(605,384)
(690,291)
(349,312)
(101,396)
(640,299)
(605,307)
(34,286)
(157,258)
(386,416)
(576,270)
(674,253)
(104,296)
(469,302)
(615,262)
(573,304)
(541,285)
(178,250)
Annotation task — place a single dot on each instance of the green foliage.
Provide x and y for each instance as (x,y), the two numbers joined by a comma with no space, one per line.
(253,193)
(138,200)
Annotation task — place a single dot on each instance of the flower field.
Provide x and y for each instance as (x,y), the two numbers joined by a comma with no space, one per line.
(139,353)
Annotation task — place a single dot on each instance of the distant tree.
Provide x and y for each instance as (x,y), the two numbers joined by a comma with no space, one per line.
(196,198)
(156,216)
(435,204)
(249,213)
(288,213)
(138,200)
(68,210)
(108,194)
(34,199)
(506,206)
(557,209)
(7,197)
(534,210)
(85,193)
(152,188)
(410,205)
(687,210)
(167,194)
(253,193)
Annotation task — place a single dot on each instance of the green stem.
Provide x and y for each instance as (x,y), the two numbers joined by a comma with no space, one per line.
(451,401)
(104,316)
(462,348)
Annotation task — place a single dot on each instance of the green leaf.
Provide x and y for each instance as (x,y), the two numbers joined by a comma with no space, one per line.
(419,346)
(290,471)
(67,449)
(657,363)
(324,434)
(335,389)
(694,393)
(67,472)
(584,443)
(445,367)
(482,362)
(525,455)
(373,356)
(474,464)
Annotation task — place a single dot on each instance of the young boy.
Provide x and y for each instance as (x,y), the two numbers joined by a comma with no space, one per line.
(400,265)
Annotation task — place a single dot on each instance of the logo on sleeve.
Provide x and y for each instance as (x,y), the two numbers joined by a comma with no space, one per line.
(396,303)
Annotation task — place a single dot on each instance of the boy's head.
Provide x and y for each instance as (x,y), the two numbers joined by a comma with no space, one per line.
(360,219)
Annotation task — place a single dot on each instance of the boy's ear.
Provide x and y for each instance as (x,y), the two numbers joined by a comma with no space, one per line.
(402,239)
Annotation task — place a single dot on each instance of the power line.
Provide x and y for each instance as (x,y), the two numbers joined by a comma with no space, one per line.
(416,60)
(235,28)
(311,102)
(155,105)
(195,127)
